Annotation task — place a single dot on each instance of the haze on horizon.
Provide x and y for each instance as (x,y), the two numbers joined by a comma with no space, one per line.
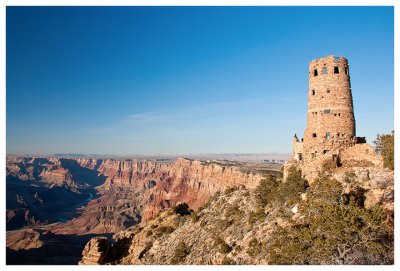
(168,80)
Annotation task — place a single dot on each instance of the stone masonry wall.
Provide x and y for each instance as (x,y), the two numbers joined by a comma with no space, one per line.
(330,115)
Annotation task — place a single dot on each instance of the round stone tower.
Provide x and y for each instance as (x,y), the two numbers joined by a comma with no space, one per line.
(330,116)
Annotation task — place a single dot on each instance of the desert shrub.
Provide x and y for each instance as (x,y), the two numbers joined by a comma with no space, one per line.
(164,230)
(149,233)
(203,223)
(181,209)
(293,186)
(180,253)
(228,261)
(233,212)
(195,217)
(254,247)
(256,216)
(336,236)
(153,226)
(231,189)
(334,230)
(147,247)
(326,170)
(223,247)
(264,192)
(384,145)
(349,176)
(222,224)
(324,192)
(328,165)
(356,196)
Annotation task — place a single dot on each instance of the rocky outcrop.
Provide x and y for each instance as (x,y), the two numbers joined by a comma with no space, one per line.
(95,251)
(233,228)
(377,182)
(360,155)
(26,239)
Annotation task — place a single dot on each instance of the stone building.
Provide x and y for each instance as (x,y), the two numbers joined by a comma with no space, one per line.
(331,126)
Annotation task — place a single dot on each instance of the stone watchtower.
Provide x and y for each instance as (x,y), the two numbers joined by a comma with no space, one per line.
(330,115)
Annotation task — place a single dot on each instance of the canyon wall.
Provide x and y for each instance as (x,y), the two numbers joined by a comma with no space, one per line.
(127,191)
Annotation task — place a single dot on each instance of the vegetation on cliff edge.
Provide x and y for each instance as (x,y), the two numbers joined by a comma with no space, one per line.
(384,145)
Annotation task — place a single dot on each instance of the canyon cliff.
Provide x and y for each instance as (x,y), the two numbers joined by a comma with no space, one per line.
(98,196)
(345,216)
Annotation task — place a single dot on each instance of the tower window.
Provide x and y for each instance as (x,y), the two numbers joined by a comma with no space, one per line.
(328,91)
(346,70)
(336,70)
(324,70)
(315,72)
(313,92)
(313,155)
(327,111)
(314,135)
(328,135)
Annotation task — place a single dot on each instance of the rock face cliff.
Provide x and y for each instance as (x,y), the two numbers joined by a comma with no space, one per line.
(277,222)
(136,191)
(99,196)
(191,212)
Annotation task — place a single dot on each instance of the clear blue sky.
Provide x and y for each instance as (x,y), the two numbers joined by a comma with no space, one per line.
(149,80)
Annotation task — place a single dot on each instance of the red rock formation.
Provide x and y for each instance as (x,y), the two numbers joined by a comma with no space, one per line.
(95,251)
(133,190)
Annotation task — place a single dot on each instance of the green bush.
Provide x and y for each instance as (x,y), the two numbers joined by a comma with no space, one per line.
(222,224)
(234,213)
(334,231)
(195,217)
(231,189)
(349,176)
(384,145)
(254,247)
(256,216)
(264,192)
(293,186)
(180,253)
(164,230)
(228,261)
(323,193)
(338,235)
(223,247)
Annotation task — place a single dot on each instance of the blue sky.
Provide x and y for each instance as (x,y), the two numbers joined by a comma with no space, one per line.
(164,80)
